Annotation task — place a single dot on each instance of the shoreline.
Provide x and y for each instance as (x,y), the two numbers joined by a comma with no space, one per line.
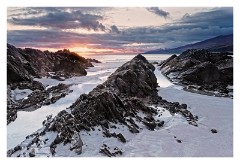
(175,123)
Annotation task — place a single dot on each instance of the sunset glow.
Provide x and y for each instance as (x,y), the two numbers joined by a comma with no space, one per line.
(83,50)
(114,30)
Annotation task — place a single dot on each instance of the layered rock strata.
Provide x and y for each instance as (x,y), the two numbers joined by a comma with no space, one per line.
(202,71)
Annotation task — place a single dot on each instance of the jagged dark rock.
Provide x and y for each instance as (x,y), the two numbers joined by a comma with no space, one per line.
(214,131)
(23,65)
(110,103)
(32,153)
(35,100)
(93,60)
(150,124)
(131,89)
(179,141)
(133,129)
(160,124)
(121,138)
(201,70)
(110,153)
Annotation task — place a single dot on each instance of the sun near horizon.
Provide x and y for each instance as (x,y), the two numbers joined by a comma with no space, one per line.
(114,30)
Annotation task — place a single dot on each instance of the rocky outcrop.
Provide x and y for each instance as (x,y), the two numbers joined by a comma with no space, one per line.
(110,102)
(23,65)
(18,68)
(35,100)
(201,70)
(39,98)
(129,91)
(134,79)
(93,60)
(110,153)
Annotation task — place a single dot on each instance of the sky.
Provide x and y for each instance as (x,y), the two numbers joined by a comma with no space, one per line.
(98,30)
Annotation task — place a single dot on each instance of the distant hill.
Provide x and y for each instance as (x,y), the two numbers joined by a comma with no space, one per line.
(217,44)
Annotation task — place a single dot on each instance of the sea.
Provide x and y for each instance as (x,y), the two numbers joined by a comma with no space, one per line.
(127,57)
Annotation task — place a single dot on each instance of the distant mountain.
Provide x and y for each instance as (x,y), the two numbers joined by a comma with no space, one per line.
(217,44)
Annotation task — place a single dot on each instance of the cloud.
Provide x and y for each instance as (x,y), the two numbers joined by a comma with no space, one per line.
(159,12)
(60,18)
(188,29)
(114,29)
(222,17)
(59,39)
(45,39)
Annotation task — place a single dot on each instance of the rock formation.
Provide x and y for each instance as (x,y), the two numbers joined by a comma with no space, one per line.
(23,65)
(37,63)
(201,70)
(130,90)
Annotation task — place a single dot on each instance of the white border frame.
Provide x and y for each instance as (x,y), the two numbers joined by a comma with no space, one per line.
(119,3)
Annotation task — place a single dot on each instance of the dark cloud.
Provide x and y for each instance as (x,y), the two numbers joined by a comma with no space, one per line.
(31,11)
(114,29)
(222,17)
(159,12)
(58,39)
(62,19)
(189,29)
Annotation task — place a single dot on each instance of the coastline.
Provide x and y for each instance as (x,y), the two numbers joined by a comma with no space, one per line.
(172,121)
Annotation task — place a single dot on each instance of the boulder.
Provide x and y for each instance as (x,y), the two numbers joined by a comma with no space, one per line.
(110,153)
(32,153)
(151,125)
(121,138)
(214,131)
